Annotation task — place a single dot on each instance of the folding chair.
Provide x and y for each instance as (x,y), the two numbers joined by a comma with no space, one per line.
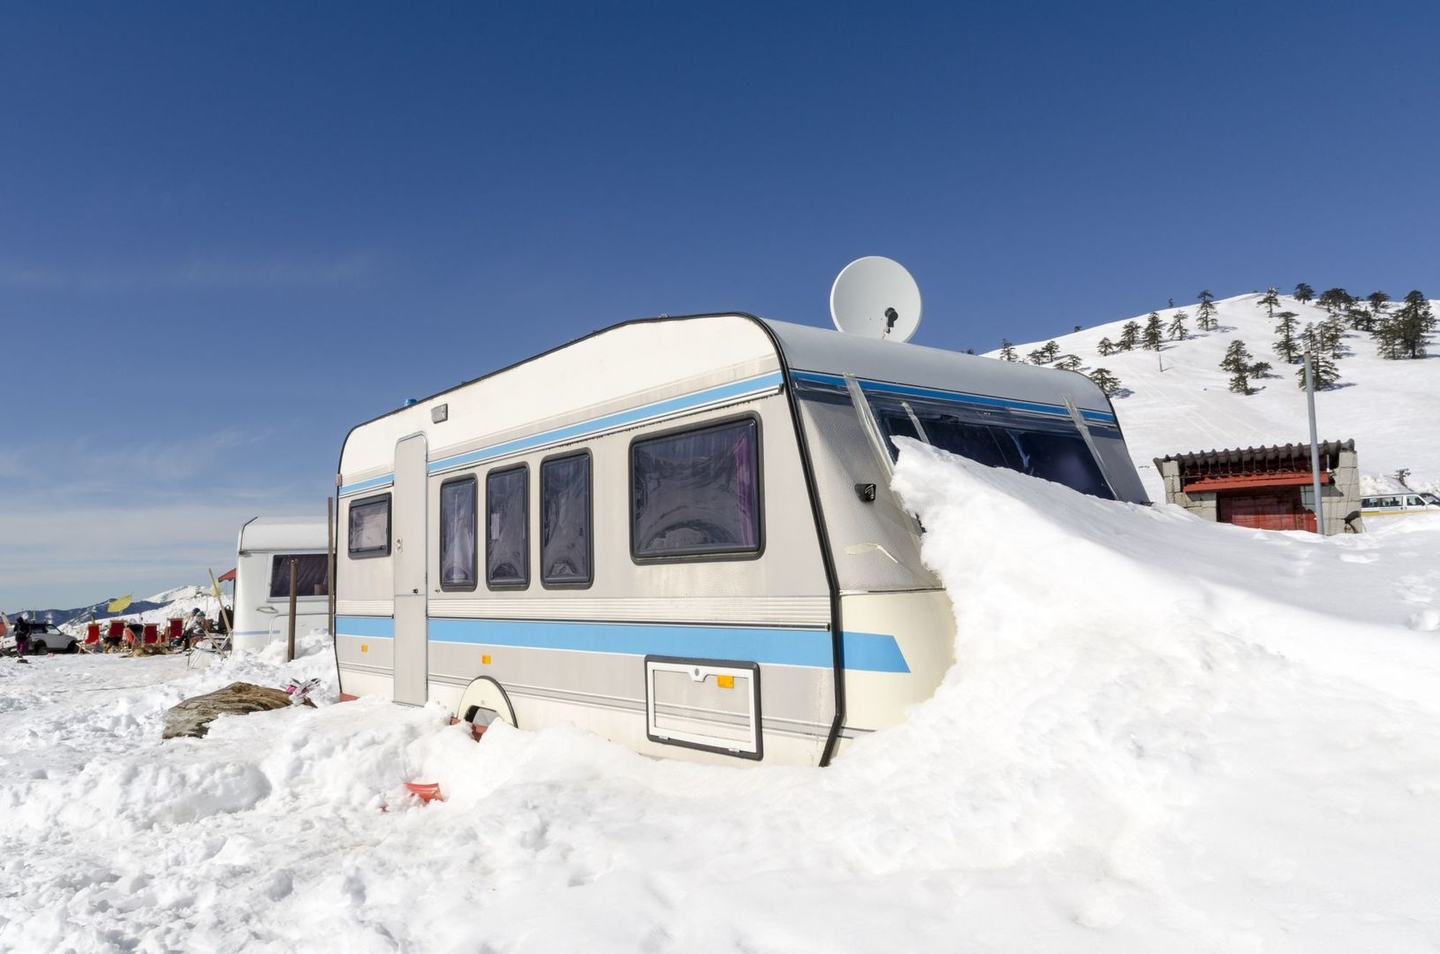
(151,634)
(92,637)
(115,634)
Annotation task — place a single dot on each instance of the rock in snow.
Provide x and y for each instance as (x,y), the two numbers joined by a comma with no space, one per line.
(192,717)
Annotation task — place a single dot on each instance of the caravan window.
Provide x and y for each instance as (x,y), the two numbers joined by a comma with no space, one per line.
(565,547)
(1048,447)
(311,572)
(457,534)
(507,511)
(370,527)
(696,493)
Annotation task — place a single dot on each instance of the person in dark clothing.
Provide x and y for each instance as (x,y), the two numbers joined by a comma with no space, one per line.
(22,635)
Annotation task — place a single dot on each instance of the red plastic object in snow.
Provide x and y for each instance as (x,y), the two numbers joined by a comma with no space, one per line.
(425,791)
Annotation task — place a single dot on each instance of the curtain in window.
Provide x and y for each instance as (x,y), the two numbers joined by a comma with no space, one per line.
(565,520)
(697,493)
(457,533)
(369,525)
(506,546)
(311,570)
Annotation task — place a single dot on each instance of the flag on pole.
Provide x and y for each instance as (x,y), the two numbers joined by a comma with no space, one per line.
(118,605)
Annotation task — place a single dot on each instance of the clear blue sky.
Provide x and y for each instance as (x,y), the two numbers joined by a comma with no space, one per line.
(230,232)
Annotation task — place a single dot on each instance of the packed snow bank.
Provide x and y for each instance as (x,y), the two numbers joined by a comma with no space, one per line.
(1159,735)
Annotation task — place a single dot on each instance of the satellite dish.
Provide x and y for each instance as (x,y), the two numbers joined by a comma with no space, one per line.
(875,297)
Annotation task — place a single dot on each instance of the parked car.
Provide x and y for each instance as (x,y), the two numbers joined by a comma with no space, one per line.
(44,638)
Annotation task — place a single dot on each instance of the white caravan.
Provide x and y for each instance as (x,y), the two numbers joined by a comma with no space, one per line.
(678,533)
(265,550)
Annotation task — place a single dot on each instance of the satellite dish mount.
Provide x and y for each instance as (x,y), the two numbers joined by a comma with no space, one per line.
(875,297)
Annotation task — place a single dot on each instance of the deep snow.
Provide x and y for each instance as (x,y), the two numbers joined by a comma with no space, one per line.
(1160,734)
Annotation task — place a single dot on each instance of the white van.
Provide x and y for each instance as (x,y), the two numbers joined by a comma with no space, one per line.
(265,550)
(1385,504)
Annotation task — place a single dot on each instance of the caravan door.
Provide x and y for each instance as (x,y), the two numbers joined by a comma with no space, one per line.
(411,657)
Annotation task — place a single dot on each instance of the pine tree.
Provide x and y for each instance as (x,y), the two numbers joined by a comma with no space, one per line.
(1154,332)
(1237,362)
(1286,346)
(1044,354)
(1177,330)
(1377,301)
(1361,319)
(1271,301)
(1304,292)
(1322,369)
(1330,336)
(1108,384)
(1205,316)
(1129,335)
(1106,347)
(1007,350)
(1334,300)
(1387,339)
(1413,321)
(1071,362)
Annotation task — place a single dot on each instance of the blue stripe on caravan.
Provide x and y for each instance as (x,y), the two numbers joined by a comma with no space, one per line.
(962,397)
(874,652)
(724,392)
(374,627)
(373,483)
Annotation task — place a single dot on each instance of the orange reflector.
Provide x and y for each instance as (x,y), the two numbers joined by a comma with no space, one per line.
(725,682)
(485,659)
(364,648)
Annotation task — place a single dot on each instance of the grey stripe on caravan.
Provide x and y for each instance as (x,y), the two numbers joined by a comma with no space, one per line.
(768,723)
(364,607)
(352,666)
(784,610)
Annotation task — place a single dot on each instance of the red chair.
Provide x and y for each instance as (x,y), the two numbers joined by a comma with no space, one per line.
(151,634)
(174,630)
(116,633)
(92,637)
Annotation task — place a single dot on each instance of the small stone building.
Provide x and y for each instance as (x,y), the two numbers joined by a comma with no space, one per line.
(1270,488)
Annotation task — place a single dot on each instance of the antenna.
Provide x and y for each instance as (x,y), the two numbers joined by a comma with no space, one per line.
(875,297)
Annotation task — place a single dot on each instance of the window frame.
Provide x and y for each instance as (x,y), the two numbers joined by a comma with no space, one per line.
(524,584)
(276,560)
(474,583)
(712,556)
(589,521)
(371,553)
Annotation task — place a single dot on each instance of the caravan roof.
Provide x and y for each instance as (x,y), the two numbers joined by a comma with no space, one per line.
(283,533)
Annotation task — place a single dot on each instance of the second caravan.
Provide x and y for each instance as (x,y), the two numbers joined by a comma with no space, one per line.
(266,548)
(678,532)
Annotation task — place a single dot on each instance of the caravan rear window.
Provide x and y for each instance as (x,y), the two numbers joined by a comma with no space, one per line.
(311,573)
(696,493)
(370,527)
(1050,448)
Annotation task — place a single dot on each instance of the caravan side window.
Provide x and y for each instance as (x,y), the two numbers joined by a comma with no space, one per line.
(696,493)
(370,527)
(457,534)
(507,517)
(311,572)
(565,545)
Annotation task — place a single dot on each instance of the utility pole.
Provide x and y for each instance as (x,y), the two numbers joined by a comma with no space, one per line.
(1314,447)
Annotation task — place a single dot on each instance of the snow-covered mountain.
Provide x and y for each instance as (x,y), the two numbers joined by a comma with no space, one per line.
(1177,400)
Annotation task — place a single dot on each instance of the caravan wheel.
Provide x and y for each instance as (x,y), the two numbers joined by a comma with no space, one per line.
(485,701)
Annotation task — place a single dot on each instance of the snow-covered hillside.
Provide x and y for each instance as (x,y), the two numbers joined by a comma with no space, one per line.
(1177,400)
